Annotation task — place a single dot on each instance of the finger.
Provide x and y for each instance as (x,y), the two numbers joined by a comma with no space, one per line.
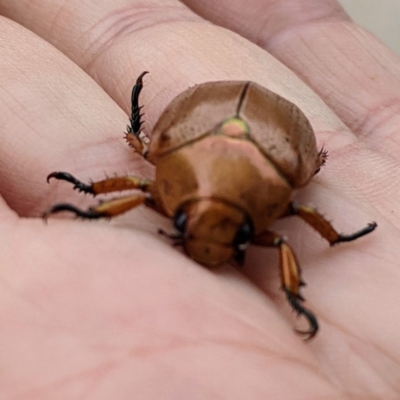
(115,41)
(101,39)
(252,19)
(6,215)
(352,70)
(53,116)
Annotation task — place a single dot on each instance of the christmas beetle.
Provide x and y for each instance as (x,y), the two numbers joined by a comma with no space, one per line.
(228,156)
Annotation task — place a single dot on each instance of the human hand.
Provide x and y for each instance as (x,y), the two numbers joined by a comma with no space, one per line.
(106,311)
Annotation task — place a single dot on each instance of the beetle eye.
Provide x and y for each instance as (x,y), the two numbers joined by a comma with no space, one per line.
(243,235)
(180,220)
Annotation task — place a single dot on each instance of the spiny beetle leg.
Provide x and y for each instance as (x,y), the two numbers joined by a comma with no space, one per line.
(78,185)
(134,136)
(290,277)
(106,209)
(324,227)
(109,185)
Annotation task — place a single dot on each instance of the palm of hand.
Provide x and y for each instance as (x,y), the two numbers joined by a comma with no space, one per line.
(96,310)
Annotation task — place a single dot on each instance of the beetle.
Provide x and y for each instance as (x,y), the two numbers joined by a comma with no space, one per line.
(228,156)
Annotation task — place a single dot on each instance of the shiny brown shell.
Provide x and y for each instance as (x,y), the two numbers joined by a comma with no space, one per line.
(276,126)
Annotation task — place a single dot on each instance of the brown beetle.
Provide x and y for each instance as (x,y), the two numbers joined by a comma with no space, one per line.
(228,156)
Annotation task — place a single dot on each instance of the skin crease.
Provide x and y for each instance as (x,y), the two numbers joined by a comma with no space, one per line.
(97,310)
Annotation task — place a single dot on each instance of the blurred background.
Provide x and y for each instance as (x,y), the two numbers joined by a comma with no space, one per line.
(381,17)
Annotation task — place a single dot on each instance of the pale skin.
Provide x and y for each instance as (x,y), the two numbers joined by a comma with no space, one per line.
(99,310)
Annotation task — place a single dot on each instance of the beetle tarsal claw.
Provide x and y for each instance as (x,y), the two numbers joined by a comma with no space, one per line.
(294,301)
(362,232)
(78,185)
(310,333)
(89,214)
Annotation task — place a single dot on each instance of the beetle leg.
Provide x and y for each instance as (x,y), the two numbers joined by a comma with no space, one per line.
(290,277)
(105,209)
(134,136)
(322,157)
(115,184)
(324,227)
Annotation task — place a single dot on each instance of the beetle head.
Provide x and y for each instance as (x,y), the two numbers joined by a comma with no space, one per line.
(213,231)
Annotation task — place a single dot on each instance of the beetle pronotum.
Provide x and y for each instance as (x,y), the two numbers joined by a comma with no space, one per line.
(228,156)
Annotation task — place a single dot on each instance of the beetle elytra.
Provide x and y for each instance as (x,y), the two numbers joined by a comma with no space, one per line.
(228,156)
